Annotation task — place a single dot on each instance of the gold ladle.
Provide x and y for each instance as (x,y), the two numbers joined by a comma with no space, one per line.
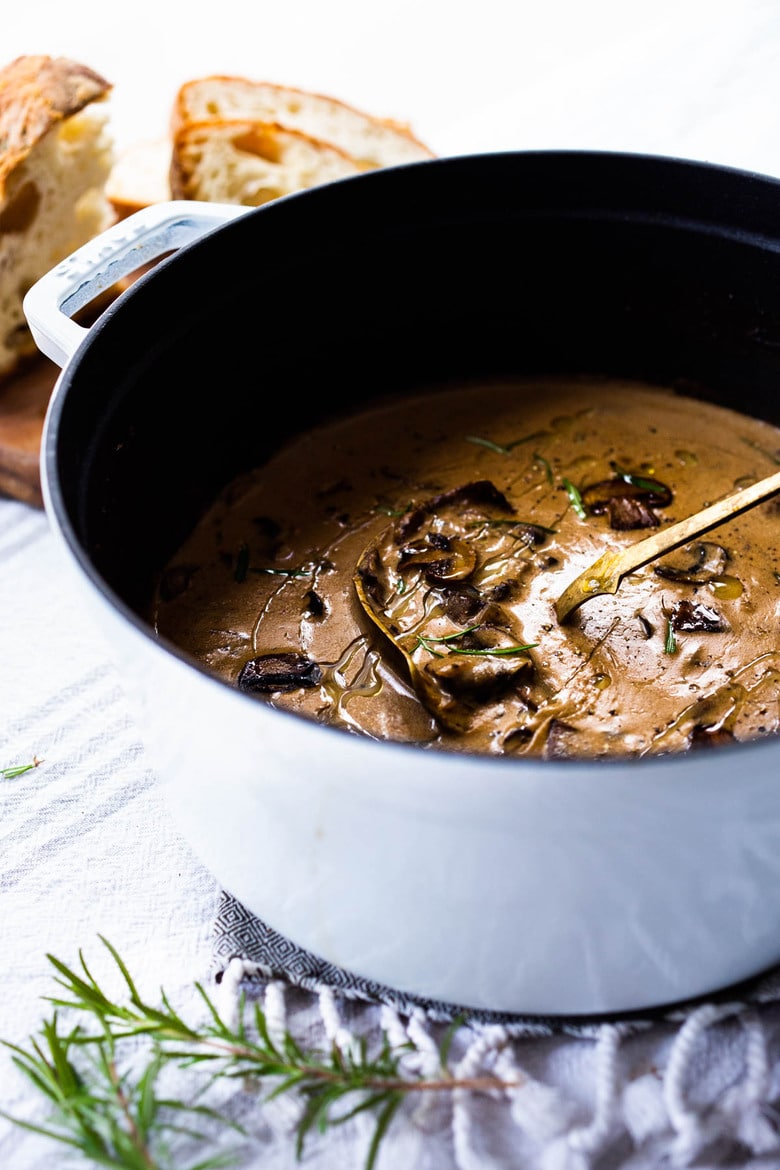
(606,573)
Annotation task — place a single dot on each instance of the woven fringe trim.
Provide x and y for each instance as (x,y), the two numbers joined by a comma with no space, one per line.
(661,1112)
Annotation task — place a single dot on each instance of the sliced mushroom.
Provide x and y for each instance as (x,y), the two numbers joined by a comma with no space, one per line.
(481,677)
(285,671)
(628,500)
(626,512)
(462,603)
(693,617)
(694,563)
(419,584)
(481,497)
(458,685)
(561,741)
(441,557)
(596,496)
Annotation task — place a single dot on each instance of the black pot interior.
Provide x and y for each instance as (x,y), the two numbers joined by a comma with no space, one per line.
(648,268)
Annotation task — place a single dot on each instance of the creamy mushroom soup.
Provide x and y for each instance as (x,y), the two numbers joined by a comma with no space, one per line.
(395,573)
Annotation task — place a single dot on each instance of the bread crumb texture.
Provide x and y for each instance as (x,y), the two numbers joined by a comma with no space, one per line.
(56,153)
(369,140)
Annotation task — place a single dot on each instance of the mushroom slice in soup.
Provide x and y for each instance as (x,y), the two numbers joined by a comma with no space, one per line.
(435,583)
(694,563)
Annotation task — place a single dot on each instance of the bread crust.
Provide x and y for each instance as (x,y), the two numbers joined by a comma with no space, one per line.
(183,112)
(269,141)
(55,153)
(36,92)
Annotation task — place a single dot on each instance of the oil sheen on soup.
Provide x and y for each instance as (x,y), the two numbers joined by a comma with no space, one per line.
(395,573)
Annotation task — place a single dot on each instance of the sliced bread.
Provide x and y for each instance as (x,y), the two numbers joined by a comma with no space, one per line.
(371,141)
(139,176)
(251,162)
(56,153)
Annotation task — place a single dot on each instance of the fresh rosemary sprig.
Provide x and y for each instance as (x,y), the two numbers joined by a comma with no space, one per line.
(19,769)
(242,567)
(575,497)
(644,482)
(504,448)
(301,572)
(670,641)
(386,511)
(102,1077)
(483,651)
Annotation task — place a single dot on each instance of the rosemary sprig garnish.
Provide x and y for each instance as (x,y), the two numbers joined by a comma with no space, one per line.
(243,567)
(575,498)
(643,482)
(299,572)
(482,651)
(19,769)
(670,641)
(395,512)
(113,1111)
(504,448)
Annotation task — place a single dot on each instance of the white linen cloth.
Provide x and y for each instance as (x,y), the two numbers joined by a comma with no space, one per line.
(89,846)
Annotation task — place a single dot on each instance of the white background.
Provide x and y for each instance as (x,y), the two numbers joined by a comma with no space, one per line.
(693,77)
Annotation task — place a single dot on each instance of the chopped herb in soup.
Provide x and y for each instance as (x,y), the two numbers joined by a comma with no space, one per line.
(395,574)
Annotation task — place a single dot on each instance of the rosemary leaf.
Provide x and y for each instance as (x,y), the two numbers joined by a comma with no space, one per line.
(455,636)
(491,651)
(382,1125)
(482,651)
(504,449)
(446,1044)
(19,769)
(643,482)
(576,499)
(281,572)
(670,641)
(100,1077)
(394,512)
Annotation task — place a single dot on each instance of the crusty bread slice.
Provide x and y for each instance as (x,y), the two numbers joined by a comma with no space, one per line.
(55,156)
(370,140)
(287,139)
(139,176)
(250,163)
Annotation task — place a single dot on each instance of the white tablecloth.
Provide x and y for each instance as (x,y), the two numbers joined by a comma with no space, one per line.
(89,846)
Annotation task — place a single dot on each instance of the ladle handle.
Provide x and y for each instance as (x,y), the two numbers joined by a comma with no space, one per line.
(100,264)
(670,538)
(605,574)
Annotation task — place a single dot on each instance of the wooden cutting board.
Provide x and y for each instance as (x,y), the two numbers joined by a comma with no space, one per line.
(23,402)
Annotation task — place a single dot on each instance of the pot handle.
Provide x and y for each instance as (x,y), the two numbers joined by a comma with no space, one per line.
(95,267)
